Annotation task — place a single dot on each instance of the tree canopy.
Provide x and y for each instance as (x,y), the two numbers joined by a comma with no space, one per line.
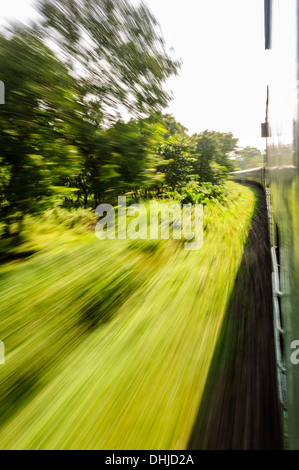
(213,151)
(115,49)
(63,133)
(36,133)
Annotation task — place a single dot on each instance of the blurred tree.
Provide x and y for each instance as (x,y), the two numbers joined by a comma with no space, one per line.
(213,152)
(35,125)
(176,162)
(173,127)
(249,157)
(123,160)
(133,145)
(115,50)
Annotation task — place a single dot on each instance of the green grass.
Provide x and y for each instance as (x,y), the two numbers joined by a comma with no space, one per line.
(109,343)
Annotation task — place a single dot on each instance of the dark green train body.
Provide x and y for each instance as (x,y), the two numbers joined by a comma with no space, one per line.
(280,178)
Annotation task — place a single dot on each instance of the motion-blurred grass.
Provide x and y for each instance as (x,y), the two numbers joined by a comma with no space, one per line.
(108,343)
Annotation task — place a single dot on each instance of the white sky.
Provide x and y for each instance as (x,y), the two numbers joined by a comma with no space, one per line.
(222,83)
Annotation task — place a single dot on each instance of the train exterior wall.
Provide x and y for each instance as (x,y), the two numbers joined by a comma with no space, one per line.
(282,177)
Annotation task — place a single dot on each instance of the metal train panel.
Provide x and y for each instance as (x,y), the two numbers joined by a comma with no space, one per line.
(280,178)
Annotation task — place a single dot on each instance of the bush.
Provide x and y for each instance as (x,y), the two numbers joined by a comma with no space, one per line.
(198,193)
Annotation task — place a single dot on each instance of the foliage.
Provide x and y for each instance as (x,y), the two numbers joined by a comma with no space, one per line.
(72,349)
(176,161)
(123,160)
(173,127)
(118,49)
(249,157)
(60,133)
(199,193)
(52,127)
(35,130)
(100,341)
(213,150)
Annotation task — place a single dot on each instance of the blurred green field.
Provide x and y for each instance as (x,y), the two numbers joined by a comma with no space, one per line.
(109,343)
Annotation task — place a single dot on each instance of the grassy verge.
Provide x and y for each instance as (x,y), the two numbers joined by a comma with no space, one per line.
(109,343)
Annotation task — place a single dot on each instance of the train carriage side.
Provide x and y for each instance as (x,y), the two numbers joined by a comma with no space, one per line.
(280,178)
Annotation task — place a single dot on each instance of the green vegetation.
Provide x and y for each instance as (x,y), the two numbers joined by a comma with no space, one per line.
(249,157)
(68,80)
(109,343)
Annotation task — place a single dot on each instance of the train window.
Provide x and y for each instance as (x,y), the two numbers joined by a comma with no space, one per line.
(268,16)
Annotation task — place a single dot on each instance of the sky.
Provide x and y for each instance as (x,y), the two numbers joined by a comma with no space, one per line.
(222,82)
